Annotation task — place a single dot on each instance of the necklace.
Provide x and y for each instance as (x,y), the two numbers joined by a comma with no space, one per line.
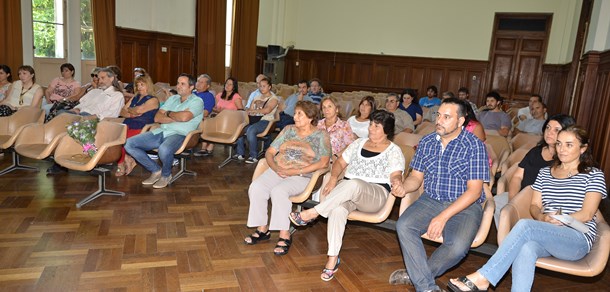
(23,93)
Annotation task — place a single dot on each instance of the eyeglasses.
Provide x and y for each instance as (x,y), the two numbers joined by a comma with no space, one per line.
(392,101)
(93,75)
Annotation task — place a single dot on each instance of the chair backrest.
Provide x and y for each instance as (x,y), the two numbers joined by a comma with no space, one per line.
(504,180)
(225,122)
(58,125)
(498,143)
(425,128)
(524,140)
(410,139)
(12,125)
(513,158)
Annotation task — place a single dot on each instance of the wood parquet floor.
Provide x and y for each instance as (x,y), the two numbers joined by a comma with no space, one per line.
(187,237)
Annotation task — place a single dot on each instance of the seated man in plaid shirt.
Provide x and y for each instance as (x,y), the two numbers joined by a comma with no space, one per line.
(452,164)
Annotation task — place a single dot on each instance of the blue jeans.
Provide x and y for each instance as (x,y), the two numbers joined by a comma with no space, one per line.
(528,241)
(137,146)
(284,121)
(251,132)
(458,234)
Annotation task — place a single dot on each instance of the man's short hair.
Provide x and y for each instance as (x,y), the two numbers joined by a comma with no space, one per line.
(207,77)
(433,88)
(495,95)
(190,77)
(315,80)
(461,105)
(538,96)
(464,90)
(303,81)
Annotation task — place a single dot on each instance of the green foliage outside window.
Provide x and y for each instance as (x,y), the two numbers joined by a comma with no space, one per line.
(45,29)
(87,43)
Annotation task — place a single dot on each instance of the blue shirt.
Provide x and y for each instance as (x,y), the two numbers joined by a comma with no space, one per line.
(208,100)
(446,172)
(252,96)
(291,103)
(193,103)
(429,102)
(317,97)
(413,109)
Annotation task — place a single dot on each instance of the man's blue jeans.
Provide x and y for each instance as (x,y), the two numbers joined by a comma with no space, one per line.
(251,132)
(137,146)
(528,241)
(458,234)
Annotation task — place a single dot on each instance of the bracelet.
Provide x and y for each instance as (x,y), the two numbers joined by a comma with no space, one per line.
(300,172)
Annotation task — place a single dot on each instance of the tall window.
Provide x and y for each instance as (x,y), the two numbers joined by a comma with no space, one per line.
(87,43)
(229,34)
(48,23)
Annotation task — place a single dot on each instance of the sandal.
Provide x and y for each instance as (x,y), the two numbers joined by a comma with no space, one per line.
(130,164)
(329,274)
(295,218)
(120,170)
(469,284)
(284,248)
(255,239)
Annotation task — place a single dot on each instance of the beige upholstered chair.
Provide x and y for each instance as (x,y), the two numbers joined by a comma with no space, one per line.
(11,127)
(410,139)
(524,140)
(190,140)
(109,139)
(498,143)
(225,128)
(489,207)
(425,128)
(262,166)
(504,180)
(266,134)
(513,158)
(38,141)
(591,265)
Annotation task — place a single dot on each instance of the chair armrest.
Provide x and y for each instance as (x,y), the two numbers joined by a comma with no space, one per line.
(409,199)
(150,127)
(194,134)
(516,209)
(31,134)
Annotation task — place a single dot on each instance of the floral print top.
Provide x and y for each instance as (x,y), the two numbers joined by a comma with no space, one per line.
(340,132)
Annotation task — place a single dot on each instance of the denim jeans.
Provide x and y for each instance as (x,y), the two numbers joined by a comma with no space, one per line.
(458,234)
(251,132)
(284,121)
(137,146)
(528,241)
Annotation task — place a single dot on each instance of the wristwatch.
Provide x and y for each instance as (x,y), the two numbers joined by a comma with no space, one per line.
(167,113)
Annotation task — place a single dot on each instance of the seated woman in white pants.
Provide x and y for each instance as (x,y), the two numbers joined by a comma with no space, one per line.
(297,152)
(371,165)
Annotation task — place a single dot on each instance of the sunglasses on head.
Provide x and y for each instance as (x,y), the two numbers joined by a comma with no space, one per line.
(93,75)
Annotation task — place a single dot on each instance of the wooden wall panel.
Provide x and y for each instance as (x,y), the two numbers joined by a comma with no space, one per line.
(552,87)
(145,49)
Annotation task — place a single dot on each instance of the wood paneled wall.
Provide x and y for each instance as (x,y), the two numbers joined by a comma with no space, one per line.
(592,105)
(379,73)
(163,55)
(382,73)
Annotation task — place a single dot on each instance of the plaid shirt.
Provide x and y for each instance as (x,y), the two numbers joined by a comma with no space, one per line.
(447,171)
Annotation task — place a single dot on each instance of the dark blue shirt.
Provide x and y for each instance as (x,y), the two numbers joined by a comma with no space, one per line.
(208,100)
(413,109)
(146,118)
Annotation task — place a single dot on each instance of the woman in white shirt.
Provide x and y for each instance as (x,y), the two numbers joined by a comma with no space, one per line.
(360,122)
(371,166)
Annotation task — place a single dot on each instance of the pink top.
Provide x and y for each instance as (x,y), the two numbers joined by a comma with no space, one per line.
(340,133)
(470,128)
(63,89)
(223,104)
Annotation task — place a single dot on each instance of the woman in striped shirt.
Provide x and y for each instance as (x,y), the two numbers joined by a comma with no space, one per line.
(571,186)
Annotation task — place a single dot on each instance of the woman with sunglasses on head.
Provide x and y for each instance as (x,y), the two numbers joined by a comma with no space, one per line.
(73,101)
(23,92)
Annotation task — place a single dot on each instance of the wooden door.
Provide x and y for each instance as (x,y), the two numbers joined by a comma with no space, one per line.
(517,54)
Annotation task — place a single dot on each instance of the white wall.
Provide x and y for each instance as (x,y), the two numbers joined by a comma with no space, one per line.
(174,17)
(434,28)
(598,38)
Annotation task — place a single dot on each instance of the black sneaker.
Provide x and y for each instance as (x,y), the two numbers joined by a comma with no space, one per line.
(56,168)
(203,153)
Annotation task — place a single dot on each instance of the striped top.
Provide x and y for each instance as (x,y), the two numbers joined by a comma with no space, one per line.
(569,194)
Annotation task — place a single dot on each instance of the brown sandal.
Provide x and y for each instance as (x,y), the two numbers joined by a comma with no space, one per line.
(120,169)
(130,164)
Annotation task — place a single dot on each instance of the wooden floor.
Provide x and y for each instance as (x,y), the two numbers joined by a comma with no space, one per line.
(187,237)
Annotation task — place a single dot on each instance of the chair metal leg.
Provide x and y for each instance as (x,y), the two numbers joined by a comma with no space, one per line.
(16,165)
(182,170)
(101,191)
(229,159)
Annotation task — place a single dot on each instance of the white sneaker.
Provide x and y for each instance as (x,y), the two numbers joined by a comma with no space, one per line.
(176,162)
(239,157)
(251,160)
(153,156)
